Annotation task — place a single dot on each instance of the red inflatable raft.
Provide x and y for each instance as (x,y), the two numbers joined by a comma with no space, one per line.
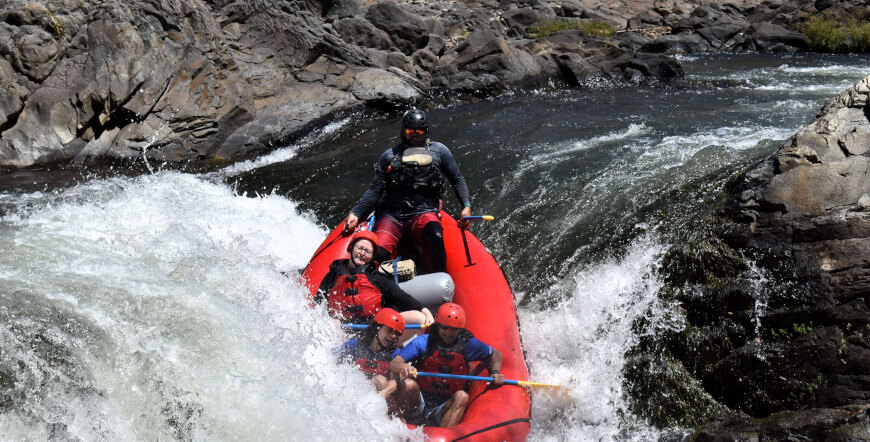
(496,414)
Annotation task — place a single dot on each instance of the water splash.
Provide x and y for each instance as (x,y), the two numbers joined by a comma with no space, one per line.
(581,343)
(158,308)
(285,153)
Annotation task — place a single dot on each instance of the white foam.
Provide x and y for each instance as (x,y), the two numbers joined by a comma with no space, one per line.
(285,153)
(557,152)
(196,332)
(581,344)
(826,70)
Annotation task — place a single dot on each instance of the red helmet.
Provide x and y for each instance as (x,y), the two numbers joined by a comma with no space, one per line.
(365,234)
(451,315)
(390,318)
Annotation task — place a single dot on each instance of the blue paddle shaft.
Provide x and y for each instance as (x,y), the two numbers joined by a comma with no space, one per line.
(463,376)
(361,326)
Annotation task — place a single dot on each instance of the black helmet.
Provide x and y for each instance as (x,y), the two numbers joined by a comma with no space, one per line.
(415,119)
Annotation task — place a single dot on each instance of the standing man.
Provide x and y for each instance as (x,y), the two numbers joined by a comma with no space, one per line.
(447,348)
(411,178)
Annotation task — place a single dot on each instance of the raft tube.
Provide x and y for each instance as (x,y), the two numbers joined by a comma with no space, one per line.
(481,288)
(431,290)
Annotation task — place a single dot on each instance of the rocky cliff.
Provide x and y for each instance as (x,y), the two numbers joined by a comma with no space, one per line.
(792,332)
(220,80)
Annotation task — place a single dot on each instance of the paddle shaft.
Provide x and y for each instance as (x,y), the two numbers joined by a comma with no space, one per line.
(361,326)
(477,218)
(464,376)
(485,379)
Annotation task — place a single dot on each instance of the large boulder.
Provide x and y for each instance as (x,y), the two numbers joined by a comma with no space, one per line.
(408,32)
(803,216)
(180,81)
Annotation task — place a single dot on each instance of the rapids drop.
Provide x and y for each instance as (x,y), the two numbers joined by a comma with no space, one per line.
(165,306)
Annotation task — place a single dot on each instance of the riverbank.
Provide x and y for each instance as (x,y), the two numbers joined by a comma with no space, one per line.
(199,83)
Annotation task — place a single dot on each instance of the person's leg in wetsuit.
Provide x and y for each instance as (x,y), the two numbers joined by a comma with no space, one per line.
(432,238)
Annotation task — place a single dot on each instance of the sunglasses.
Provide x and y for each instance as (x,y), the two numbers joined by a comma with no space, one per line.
(415,131)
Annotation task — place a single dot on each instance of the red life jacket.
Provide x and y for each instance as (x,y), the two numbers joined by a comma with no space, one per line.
(354,297)
(372,364)
(438,359)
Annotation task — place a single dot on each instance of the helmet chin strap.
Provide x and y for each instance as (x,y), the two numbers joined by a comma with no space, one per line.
(381,345)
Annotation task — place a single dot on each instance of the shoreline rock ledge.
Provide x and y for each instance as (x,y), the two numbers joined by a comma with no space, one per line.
(792,347)
(812,196)
(187,81)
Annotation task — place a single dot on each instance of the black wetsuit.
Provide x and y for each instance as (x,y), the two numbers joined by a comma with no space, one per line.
(441,158)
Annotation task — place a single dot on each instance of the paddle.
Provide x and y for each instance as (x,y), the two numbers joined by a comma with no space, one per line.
(363,326)
(487,379)
(462,229)
(478,218)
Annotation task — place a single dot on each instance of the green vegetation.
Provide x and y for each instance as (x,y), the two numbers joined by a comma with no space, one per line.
(784,334)
(547,27)
(597,28)
(827,35)
(859,33)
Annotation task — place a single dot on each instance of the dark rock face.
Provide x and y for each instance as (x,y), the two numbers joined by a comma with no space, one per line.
(849,423)
(224,80)
(801,343)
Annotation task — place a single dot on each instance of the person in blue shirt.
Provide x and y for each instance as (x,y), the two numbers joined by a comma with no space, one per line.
(447,348)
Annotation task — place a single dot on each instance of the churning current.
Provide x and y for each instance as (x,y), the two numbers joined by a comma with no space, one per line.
(166,306)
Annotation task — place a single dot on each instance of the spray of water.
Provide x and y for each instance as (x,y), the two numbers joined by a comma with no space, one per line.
(581,343)
(167,307)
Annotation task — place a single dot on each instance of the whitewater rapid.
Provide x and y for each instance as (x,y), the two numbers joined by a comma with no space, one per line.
(167,306)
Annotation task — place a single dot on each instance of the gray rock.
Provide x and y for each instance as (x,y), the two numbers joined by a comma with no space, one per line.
(802,214)
(190,80)
(374,85)
(358,31)
(677,44)
(824,424)
(12,94)
(407,31)
(344,8)
(520,20)
(775,38)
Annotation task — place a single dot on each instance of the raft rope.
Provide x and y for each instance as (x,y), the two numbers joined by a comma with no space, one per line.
(493,427)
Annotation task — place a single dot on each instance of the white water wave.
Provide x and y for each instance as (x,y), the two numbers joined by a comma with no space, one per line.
(829,70)
(634,130)
(676,151)
(285,153)
(825,88)
(555,153)
(163,312)
(581,344)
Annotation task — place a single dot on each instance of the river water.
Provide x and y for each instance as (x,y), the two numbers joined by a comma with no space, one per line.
(159,306)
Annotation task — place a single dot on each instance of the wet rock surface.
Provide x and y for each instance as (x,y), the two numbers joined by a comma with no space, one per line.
(178,82)
(849,423)
(792,352)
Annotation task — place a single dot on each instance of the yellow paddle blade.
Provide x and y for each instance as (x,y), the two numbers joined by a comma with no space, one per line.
(538,384)
(557,391)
